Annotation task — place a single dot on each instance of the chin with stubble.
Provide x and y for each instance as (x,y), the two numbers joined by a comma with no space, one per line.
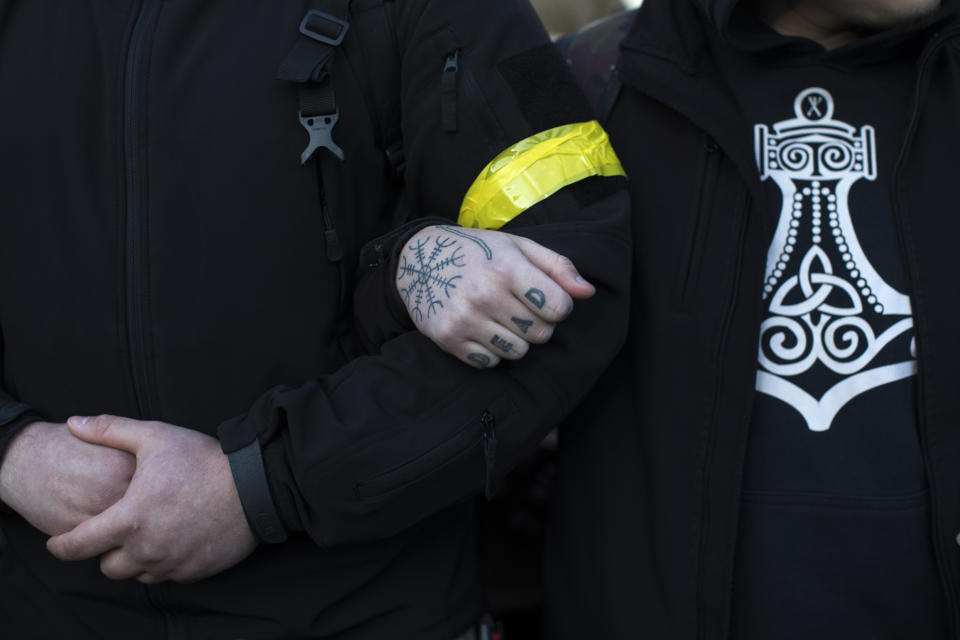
(837,22)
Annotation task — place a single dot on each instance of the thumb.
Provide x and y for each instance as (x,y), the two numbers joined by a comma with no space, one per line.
(111,431)
(560,268)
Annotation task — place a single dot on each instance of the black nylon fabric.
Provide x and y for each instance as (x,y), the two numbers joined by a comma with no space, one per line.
(244,322)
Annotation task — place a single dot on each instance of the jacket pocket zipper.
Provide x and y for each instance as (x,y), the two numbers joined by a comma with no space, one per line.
(697,240)
(489,453)
(448,92)
(459,90)
(467,439)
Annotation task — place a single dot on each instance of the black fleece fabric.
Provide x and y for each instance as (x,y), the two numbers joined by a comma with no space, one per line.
(165,256)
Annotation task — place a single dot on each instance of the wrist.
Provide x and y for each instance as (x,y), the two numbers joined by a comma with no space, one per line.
(18,448)
(253,490)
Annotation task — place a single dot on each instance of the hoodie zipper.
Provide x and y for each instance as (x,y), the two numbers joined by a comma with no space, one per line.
(924,69)
(135,263)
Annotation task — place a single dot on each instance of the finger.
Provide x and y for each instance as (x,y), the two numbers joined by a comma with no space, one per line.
(118,565)
(534,332)
(92,537)
(111,431)
(560,268)
(506,344)
(477,356)
(541,296)
(517,319)
(147,578)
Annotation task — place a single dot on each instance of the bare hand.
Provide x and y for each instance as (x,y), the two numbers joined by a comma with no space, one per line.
(485,295)
(56,481)
(181,517)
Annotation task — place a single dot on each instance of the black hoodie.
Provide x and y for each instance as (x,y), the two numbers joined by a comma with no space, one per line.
(834,535)
(656,460)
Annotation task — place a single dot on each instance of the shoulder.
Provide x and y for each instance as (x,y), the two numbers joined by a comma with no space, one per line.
(593,51)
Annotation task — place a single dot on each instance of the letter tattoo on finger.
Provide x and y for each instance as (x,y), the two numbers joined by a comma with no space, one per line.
(480,359)
(536,297)
(523,325)
(501,344)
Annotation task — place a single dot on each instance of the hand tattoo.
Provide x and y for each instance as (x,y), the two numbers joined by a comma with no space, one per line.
(501,344)
(481,359)
(427,272)
(536,297)
(487,251)
(523,325)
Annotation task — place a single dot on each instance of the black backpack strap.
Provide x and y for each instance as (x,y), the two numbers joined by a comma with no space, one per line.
(308,65)
(593,54)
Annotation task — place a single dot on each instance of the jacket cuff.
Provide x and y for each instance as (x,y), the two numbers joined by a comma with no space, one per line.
(250,477)
(379,313)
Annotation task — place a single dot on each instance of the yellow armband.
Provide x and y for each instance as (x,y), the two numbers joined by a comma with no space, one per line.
(534,169)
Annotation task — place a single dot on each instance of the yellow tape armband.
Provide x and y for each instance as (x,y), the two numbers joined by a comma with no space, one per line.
(534,169)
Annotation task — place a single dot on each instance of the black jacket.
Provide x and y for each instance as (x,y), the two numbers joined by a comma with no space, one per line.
(163,255)
(650,467)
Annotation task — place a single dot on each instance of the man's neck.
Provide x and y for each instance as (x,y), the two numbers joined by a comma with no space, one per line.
(800,19)
(831,23)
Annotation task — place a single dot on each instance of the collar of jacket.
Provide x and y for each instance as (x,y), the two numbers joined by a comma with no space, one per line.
(666,57)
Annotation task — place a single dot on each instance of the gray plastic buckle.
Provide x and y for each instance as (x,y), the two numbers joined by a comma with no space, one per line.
(320,130)
(341,25)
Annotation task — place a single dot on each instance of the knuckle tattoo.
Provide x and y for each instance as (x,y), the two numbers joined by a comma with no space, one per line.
(536,297)
(502,344)
(480,359)
(522,324)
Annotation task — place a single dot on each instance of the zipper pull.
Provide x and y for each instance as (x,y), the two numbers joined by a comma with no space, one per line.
(448,92)
(489,452)
(334,250)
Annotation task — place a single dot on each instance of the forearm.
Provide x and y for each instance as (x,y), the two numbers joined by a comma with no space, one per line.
(389,440)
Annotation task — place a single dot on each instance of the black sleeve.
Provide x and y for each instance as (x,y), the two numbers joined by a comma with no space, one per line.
(390,439)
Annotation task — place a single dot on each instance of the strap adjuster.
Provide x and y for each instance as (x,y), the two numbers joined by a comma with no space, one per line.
(324,27)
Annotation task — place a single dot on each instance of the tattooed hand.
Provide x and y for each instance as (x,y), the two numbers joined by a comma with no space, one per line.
(485,295)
